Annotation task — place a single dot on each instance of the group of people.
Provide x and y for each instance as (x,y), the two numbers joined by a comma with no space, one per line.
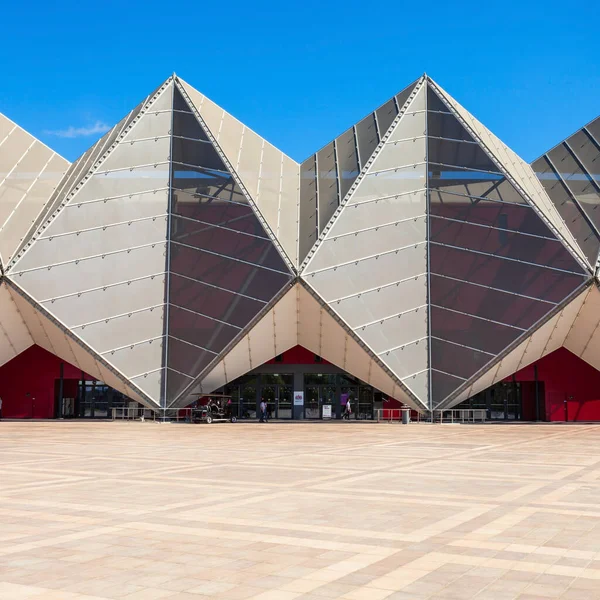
(264,411)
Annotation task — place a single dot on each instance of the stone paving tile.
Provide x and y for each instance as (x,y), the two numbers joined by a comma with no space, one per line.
(142,511)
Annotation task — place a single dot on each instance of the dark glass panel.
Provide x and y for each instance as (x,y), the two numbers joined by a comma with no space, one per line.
(197,153)
(347,161)
(199,330)
(308,206)
(327,184)
(463,181)
(366,133)
(509,244)
(447,126)
(176,383)
(457,360)
(186,358)
(178,101)
(385,116)
(213,302)
(442,385)
(258,251)
(587,152)
(486,303)
(198,181)
(567,208)
(434,102)
(226,273)
(461,154)
(471,331)
(217,212)
(527,280)
(186,125)
(594,129)
(517,217)
(402,97)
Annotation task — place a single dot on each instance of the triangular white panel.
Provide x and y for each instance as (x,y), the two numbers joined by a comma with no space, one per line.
(14,335)
(99,266)
(546,339)
(517,169)
(269,176)
(371,265)
(584,337)
(29,174)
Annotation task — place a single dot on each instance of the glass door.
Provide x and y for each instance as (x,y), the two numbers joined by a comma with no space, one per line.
(311,402)
(284,403)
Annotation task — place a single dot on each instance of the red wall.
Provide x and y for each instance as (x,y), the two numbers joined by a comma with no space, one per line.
(298,355)
(35,372)
(563,374)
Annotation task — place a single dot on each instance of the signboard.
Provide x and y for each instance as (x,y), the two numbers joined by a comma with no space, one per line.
(298,398)
(327,411)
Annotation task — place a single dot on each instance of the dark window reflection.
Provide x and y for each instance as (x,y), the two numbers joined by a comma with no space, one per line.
(203,182)
(461,154)
(186,358)
(176,383)
(470,331)
(509,275)
(227,273)
(178,102)
(434,102)
(385,116)
(457,360)
(447,126)
(442,385)
(197,153)
(366,133)
(186,125)
(213,302)
(249,248)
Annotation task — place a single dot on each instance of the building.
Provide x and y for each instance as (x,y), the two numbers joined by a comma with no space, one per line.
(413,260)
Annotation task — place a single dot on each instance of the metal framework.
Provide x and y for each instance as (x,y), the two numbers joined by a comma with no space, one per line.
(415,250)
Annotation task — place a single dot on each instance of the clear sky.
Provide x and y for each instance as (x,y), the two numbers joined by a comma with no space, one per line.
(300,73)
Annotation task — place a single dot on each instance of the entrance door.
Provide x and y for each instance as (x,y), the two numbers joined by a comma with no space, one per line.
(285,402)
(311,402)
(318,396)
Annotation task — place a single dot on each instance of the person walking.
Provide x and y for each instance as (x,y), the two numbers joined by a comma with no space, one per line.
(348,410)
(263,411)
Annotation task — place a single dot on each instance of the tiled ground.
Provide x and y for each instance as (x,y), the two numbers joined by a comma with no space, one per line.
(308,511)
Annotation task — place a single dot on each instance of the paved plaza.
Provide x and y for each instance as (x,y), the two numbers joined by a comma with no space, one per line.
(353,511)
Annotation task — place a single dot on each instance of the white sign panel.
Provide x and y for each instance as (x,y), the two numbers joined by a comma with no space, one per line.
(298,398)
(327,411)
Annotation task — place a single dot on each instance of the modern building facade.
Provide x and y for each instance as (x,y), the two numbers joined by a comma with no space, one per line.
(415,259)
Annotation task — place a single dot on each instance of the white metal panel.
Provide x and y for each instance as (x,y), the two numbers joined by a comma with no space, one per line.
(99,213)
(390,183)
(213,116)
(418,384)
(58,249)
(194,95)
(69,278)
(413,124)
(285,314)
(287,225)
(123,330)
(86,361)
(215,379)
(31,320)
(382,381)
(485,381)
(566,319)
(400,153)
(385,238)
(164,100)
(262,340)
(20,220)
(309,322)
(333,340)
(110,379)
(237,361)
(269,184)
(585,324)
(58,340)
(368,274)
(14,335)
(12,149)
(152,124)
(408,359)
(249,163)
(137,359)
(510,363)
(395,331)
(151,383)
(356,360)
(383,302)
(136,153)
(119,183)
(230,138)
(6,126)
(378,212)
(103,303)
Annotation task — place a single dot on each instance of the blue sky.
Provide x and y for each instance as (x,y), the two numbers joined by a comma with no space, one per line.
(301,73)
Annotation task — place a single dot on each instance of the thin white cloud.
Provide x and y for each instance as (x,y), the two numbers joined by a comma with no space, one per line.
(74,132)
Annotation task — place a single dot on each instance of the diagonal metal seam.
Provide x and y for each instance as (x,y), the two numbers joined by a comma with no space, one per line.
(92,169)
(395,379)
(86,347)
(576,255)
(165,353)
(417,86)
(237,179)
(235,341)
(512,346)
